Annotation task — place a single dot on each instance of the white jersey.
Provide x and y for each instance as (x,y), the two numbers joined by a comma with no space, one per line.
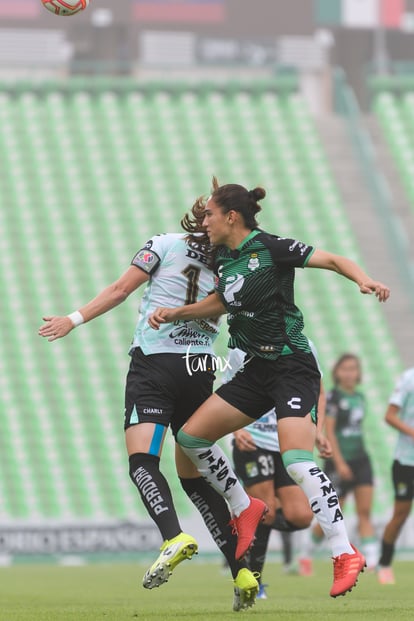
(403,397)
(178,275)
(264,429)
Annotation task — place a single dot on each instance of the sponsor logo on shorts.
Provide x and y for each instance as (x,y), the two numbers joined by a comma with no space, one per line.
(152,410)
(402,489)
(295,403)
(251,469)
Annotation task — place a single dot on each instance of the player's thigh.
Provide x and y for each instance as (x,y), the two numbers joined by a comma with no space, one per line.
(363,495)
(214,419)
(296,433)
(194,390)
(145,438)
(295,391)
(149,402)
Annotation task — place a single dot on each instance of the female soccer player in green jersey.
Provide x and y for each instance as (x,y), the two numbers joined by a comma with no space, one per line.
(350,468)
(255,286)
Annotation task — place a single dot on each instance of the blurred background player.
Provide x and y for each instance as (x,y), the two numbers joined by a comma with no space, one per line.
(350,467)
(400,415)
(160,392)
(258,464)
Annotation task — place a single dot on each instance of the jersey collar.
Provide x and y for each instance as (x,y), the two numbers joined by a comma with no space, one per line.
(248,238)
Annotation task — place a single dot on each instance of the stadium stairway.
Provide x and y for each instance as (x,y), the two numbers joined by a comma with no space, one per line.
(401,201)
(366,225)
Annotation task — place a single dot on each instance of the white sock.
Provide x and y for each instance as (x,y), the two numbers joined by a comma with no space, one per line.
(214,466)
(370,549)
(324,504)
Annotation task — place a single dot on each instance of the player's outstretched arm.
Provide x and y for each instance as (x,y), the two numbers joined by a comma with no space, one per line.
(57,327)
(392,417)
(210,306)
(328,261)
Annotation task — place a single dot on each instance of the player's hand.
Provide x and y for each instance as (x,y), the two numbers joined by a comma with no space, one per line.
(244,440)
(55,327)
(161,315)
(381,291)
(323,445)
(345,471)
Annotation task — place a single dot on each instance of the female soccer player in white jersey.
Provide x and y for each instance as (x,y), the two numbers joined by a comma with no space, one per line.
(400,415)
(160,392)
(255,287)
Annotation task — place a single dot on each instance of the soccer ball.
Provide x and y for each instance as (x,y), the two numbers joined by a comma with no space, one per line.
(65,7)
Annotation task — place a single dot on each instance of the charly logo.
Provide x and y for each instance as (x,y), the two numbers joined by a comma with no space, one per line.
(295,403)
(254,262)
(205,362)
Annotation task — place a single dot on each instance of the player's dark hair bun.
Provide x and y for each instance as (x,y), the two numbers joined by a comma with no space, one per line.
(237,198)
(257,194)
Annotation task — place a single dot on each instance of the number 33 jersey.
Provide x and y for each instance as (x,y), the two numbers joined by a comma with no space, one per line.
(178,275)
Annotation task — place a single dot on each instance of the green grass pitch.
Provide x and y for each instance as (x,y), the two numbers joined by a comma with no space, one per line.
(196,591)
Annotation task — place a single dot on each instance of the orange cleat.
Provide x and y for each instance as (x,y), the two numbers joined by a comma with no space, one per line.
(245,525)
(305,566)
(385,575)
(347,568)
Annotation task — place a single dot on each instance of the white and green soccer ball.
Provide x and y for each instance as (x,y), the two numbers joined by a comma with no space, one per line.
(65,7)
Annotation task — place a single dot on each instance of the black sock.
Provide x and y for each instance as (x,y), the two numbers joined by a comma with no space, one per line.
(282,524)
(387,553)
(287,547)
(257,555)
(215,513)
(144,471)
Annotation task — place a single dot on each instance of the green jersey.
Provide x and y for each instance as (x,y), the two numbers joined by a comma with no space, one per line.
(348,411)
(256,285)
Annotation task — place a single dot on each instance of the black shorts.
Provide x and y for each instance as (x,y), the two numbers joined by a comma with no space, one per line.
(361,469)
(291,384)
(159,389)
(260,465)
(403,481)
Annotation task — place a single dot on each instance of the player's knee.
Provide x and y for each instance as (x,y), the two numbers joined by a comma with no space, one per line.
(400,517)
(270,516)
(290,458)
(299,515)
(364,515)
(185,440)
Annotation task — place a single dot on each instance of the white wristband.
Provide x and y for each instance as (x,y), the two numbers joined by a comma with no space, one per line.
(76,318)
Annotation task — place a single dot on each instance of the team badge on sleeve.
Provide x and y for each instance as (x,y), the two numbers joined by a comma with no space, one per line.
(147,260)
